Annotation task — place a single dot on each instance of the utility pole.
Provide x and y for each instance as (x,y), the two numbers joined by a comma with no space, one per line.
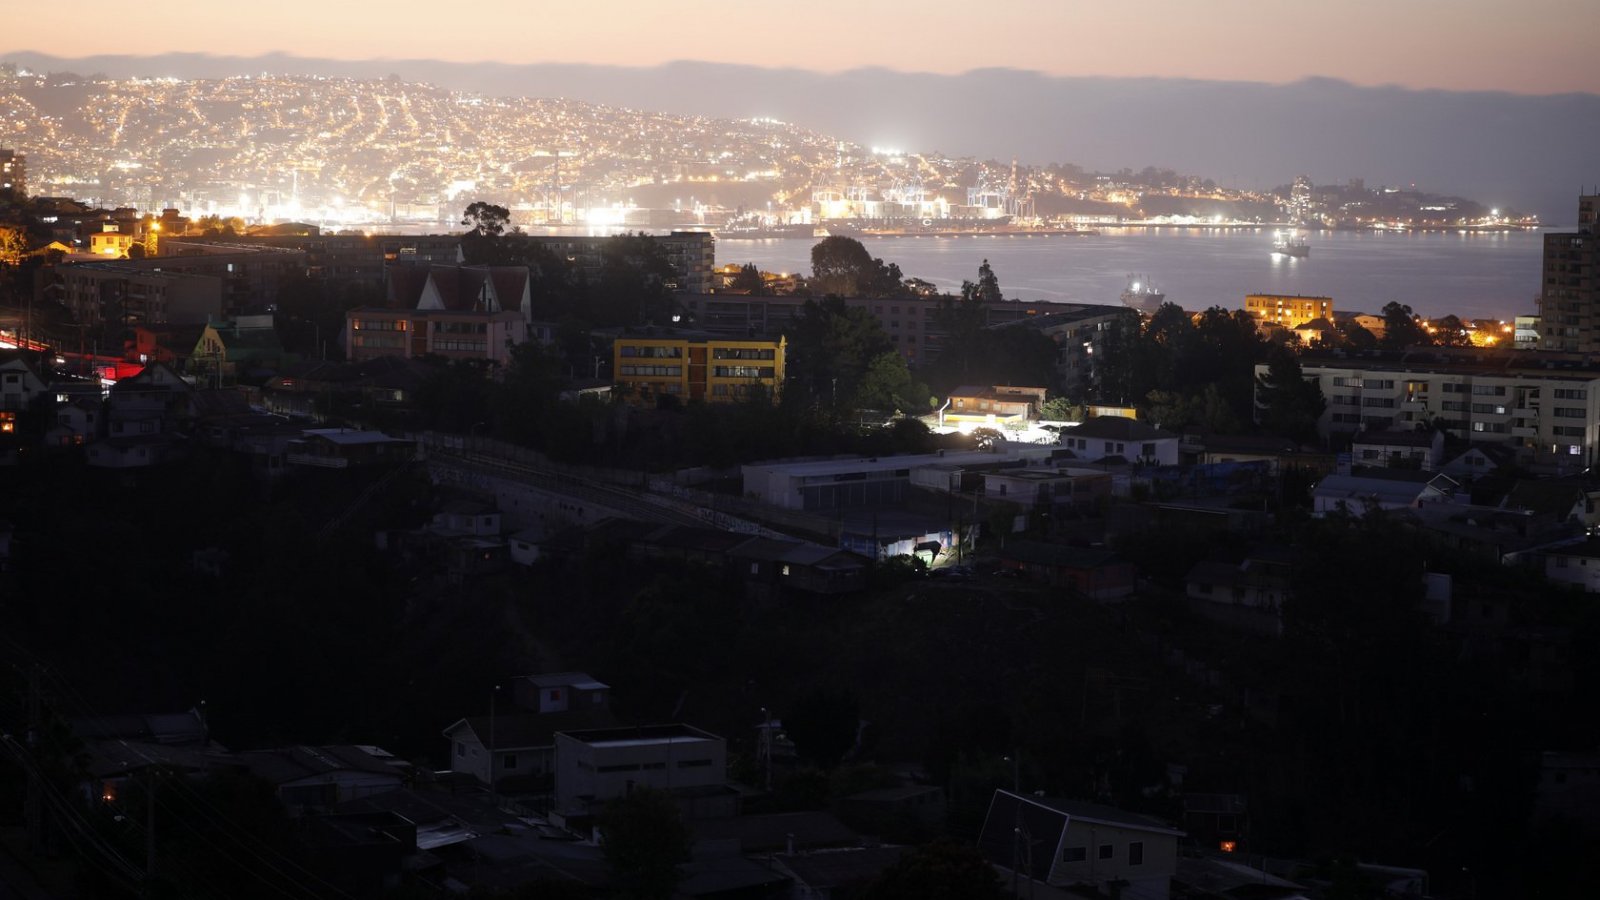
(150,825)
(33,801)
(1016,823)
(493,693)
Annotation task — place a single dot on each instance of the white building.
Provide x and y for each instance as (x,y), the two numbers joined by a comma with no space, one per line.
(1380,489)
(839,483)
(1104,437)
(1544,405)
(595,766)
(1571,565)
(1066,845)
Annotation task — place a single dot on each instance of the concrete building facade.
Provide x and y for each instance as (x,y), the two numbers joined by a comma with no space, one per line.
(649,366)
(1287,310)
(1546,406)
(1569,292)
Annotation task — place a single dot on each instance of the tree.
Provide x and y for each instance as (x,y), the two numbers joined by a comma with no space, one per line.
(1353,335)
(988,288)
(1287,403)
(887,385)
(483,243)
(1400,328)
(942,870)
(644,839)
(841,266)
(830,348)
(1207,409)
(13,243)
(1450,332)
(749,279)
(1060,409)
(823,725)
(486,219)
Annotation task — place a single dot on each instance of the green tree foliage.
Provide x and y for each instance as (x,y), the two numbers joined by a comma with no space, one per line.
(1118,374)
(1060,409)
(831,346)
(644,839)
(749,279)
(1401,328)
(972,353)
(635,283)
(1206,410)
(13,243)
(1288,403)
(942,870)
(842,267)
(823,725)
(887,385)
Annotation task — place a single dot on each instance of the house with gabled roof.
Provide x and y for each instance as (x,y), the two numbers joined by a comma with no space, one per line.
(341,448)
(1398,449)
(518,735)
(1575,565)
(1109,437)
(1565,500)
(454,311)
(1074,848)
(1478,460)
(318,778)
(1381,489)
(148,417)
(1247,595)
(20,384)
(991,405)
(21,390)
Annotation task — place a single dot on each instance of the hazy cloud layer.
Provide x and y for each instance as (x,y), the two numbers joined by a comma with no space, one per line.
(1532,152)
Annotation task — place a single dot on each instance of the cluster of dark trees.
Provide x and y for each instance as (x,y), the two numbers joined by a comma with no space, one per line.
(632,286)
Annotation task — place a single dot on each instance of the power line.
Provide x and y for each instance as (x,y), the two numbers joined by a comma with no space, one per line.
(202,807)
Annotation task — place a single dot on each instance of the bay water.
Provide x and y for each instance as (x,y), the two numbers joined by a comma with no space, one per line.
(1474,275)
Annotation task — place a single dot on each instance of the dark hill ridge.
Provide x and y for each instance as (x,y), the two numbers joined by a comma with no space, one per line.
(1531,152)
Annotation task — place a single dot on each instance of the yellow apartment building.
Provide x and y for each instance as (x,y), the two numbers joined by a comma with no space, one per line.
(1287,310)
(713,369)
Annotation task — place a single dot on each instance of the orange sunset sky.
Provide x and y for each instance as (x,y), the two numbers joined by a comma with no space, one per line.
(1527,46)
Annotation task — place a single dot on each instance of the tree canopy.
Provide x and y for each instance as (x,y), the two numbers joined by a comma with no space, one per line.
(644,839)
(1401,328)
(1287,402)
(841,266)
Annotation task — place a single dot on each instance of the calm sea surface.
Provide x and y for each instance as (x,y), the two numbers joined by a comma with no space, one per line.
(1493,275)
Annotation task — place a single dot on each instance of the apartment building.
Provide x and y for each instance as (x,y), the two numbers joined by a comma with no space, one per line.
(1287,310)
(659,363)
(1569,291)
(13,171)
(131,293)
(1545,406)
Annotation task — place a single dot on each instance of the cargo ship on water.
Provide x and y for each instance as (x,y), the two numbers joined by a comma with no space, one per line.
(1143,296)
(1291,245)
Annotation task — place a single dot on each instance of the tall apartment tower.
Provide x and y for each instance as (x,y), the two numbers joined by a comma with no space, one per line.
(13,171)
(1569,298)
